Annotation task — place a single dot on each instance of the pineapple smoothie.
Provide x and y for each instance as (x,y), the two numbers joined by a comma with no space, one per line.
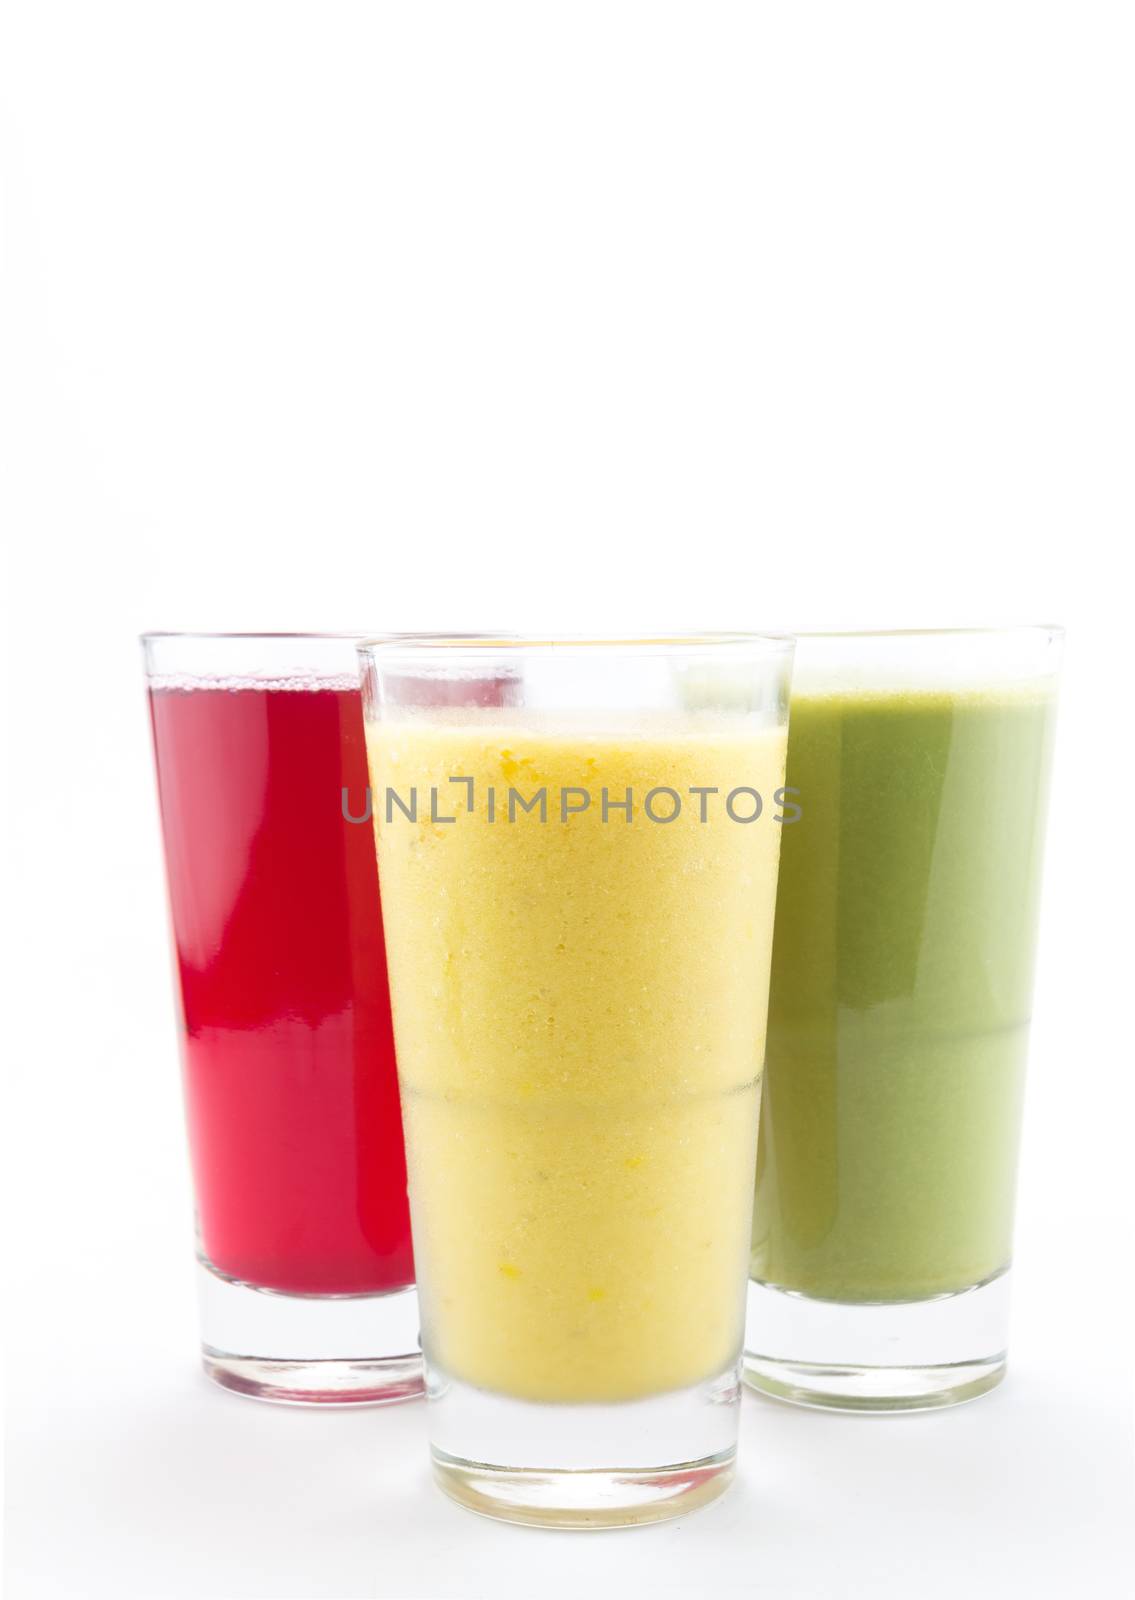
(579,1004)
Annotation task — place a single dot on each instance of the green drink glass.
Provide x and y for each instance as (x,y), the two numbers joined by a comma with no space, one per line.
(899,1016)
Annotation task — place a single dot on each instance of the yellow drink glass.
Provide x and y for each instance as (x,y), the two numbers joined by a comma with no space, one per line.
(578,887)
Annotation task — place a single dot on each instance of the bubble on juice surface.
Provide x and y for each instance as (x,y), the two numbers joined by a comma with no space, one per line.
(300,682)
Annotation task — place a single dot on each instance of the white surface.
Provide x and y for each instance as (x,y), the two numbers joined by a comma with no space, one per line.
(585,317)
(159,1485)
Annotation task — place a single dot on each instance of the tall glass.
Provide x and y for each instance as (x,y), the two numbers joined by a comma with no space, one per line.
(579,896)
(899,1016)
(306,1272)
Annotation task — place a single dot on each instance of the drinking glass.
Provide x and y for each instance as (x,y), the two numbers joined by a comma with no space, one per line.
(305,1267)
(578,891)
(899,1016)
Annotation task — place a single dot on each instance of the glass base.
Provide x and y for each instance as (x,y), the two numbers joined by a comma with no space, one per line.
(915,1355)
(310,1350)
(584,1466)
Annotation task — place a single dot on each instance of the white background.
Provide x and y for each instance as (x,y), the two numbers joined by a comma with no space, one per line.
(587,316)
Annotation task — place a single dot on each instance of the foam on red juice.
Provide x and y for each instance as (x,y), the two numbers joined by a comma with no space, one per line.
(294,1122)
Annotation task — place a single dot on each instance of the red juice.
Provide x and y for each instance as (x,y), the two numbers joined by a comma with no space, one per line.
(294,1121)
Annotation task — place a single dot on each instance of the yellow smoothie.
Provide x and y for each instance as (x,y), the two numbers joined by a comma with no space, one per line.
(579,1012)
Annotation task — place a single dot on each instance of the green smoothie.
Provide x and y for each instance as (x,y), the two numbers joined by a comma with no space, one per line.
(901,990)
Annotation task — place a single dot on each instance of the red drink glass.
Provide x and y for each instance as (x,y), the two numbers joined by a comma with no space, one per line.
(306,1270)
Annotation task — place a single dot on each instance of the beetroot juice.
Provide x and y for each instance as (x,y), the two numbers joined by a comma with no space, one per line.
(294,1124)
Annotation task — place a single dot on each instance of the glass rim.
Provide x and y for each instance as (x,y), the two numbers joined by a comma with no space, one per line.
(197,660)
(256,660)
(450,645)
(1012,630)
(358,636)
(197,633)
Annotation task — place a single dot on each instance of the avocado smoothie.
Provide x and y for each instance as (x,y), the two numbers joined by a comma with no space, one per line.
(901,989)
